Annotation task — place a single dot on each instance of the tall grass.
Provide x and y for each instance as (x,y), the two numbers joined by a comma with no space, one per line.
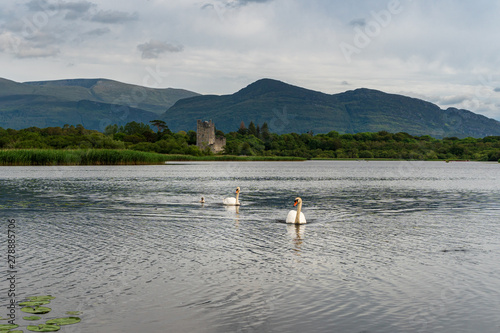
(113,157)
(78,157)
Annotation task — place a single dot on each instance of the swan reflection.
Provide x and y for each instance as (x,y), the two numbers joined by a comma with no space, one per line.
(296,233)
(234,210)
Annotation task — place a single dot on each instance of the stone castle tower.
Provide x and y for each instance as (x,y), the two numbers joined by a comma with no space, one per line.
(205,137)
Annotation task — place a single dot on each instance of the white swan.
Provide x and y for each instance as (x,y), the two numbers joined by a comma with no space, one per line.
(297,216)
(232,201)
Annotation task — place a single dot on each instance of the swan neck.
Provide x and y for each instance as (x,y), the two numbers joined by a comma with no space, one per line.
(237,195)
(299,208)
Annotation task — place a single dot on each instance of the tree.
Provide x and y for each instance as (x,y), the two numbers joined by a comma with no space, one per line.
(265,133)
(252,130)
(243,130)
(159,124)
(111,129)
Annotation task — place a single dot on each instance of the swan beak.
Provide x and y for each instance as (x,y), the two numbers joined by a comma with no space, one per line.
(295,203)
(237,191)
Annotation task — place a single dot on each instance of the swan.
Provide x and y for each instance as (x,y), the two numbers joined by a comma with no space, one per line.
(297,216)
(232,201)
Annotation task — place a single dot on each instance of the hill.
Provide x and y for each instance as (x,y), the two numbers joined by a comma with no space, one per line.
(94,103)
(288,108)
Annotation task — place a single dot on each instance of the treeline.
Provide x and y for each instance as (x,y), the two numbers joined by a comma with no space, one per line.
(133,136)
(256,141)
(382,145)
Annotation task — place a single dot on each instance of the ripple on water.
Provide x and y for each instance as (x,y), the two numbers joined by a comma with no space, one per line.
(388,247)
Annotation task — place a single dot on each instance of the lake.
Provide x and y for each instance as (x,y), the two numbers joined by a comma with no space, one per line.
(388,247)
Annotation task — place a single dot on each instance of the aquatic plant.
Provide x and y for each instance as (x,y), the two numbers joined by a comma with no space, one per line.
(63,321)
(6,327)
(34,303)
(41,298)
(36,309)
(43,328)
(33,306)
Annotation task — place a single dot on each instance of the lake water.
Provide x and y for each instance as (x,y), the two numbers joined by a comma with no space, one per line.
(389,246)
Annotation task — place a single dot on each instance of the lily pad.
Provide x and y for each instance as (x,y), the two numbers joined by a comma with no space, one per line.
(40,298)
(43,328)
(6,327)
(34,303)
(36,309)
(31,318)
(64,321)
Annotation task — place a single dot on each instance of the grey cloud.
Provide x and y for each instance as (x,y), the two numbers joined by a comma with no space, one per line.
(452,100)
(98,32)
(153,49)
(245,2)
(345,83)
(232,4)
(81,6)
(27,50)
(358,22)
(114,17)
(496,89)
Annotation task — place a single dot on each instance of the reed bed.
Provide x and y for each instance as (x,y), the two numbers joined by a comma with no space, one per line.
(78,157)
(18,157)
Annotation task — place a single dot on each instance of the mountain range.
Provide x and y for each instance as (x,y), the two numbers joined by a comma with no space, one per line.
(96,103)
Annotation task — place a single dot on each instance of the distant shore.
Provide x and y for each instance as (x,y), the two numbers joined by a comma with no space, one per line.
(47,157)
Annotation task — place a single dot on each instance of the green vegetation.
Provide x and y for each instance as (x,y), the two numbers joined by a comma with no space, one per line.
(51,325)
(64,321)
(380,145)
(138,143)
(36,309)
(78,157)
(43,328)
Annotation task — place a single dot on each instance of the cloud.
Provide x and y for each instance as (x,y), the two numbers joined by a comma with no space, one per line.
(154,48)
(26,50)
(98,32)
(114,17)
(452,100)
(246,2)
(358,22)
(75,9)
(496,89)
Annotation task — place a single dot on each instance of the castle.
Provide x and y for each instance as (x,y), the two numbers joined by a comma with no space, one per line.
(205,137)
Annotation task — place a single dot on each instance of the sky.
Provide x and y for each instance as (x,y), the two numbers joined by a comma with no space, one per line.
(446,52)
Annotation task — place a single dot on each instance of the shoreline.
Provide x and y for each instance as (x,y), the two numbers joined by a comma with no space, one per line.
(74,157)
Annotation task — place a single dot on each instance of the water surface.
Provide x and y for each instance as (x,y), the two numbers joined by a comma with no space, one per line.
(389,247)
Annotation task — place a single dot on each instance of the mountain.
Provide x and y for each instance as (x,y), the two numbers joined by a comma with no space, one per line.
(94,103)
(288,108)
